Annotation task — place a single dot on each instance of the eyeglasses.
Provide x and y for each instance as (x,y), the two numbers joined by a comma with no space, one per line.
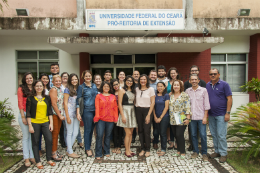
(213,74)
(194,70)
(129,81)
(115,84)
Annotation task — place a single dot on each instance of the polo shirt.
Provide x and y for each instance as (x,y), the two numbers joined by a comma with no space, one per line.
(218,97)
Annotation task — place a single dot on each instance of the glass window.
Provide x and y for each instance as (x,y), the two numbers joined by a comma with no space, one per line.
(144,58)
(27,55)
(128,71)
(49,55)
(24,67)
(222,71)
(236,76)
(100,59)
(144,70)
(44,67)
(122,59)
(218,57)
(101,72)
(236,57)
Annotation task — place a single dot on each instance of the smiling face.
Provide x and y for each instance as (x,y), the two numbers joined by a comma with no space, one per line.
(64,78)
(29,79)
(106,88)
(194,70)
(107,76)
(160,88)
(74,80)
(45,80)
(87,77)
(38,87)
(173,74)
(153,77)
(161,73)
(194,81)
(121,76)
(214,75)
(57,82)
(136,75)
(55,69)
(129,82)
(143,81)
(116,86)
(98,80)
(176,87)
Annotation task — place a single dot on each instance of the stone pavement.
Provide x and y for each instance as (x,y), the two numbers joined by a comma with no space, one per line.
(120,163)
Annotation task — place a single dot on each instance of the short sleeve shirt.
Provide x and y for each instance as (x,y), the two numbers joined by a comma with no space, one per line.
(143,97)
(71,104)
(160,105)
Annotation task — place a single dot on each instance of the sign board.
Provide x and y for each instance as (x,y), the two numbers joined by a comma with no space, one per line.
(135,19)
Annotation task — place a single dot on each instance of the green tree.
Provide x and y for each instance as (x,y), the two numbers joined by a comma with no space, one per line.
(1,5)
(252,86)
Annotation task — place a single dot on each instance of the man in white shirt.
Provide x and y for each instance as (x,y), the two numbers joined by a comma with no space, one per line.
(161,72)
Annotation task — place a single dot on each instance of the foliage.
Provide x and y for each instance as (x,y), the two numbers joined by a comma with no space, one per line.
(8,134)
(252,86)
(5,3)
(246,125)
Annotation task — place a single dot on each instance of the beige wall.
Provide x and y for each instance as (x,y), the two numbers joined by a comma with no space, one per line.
(224,8)
(134,4)
(40,8)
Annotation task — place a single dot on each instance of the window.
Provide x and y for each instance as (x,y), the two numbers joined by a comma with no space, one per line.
(232,69)
(36,62)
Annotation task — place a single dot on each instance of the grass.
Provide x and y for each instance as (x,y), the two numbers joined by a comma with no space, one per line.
(8,162)
(237,160)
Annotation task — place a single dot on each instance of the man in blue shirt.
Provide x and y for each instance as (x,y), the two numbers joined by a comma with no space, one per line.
(55,69)
(220,98)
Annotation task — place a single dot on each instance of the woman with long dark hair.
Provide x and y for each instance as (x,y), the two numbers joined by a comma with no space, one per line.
(145,98)
(72,119)
(39,117)
(121,78)
(127,118)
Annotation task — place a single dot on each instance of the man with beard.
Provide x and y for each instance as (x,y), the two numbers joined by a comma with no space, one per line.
(55,69)
(161,72)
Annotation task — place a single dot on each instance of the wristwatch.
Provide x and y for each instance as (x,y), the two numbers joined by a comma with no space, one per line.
(228,112)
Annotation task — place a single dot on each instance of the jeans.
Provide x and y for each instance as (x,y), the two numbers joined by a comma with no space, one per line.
(162,130)
(178,131)
(72,133)
(27,142)
(44,129)
(218,130)
(65,130)
(79,139)
(87,118)
(102,127)
(155,133)
(195,125)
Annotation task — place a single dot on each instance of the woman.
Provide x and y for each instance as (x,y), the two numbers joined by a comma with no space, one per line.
(121,78)
(22,93)
(56,95)
(144,106)
(89,91)
(127,118)
(161,115)
(39,117)
(117,131)
(172,75)
(97,80)
(105,117)
(72,119)
(180,112)
(64,80)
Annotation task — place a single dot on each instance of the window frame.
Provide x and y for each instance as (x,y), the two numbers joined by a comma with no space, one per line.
(226,63)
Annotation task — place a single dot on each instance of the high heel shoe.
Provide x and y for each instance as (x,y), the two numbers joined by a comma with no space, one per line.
(133,154)
(128,155)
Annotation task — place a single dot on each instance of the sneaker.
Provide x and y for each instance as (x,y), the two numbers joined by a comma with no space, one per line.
(194,155)
(214,155)
(223,159)
(205,158)
(182,157)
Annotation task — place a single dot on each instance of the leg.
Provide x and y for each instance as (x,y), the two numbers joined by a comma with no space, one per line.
(190,138)
(193,128)
(173,130)
(100,128)
(61,134)
(155,133)
(221,134)
(69,135)
(65,131)
(128,135)
(75,130)
(147,131)
(88,127)
(163,125)
(134,135)
(40,142)
(35,141)
(140,122)
(48,139)
(108,131)
(180,138)
(213,130)
(55,132)
(79,138)
(203,136)
(116,137)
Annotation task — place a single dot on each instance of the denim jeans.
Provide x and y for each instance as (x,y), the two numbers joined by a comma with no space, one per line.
(79,139)
(72,133)
(197,125)
(162,130)
(218,130)
(87,118)
(27,142)
(102,127)
(65,130)
(155,133)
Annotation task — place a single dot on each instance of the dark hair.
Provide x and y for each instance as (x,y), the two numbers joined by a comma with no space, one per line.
(84,72)
(153,71)
(64,74)
(137,71)
(161,67)
(25,89)
(94,78)
(108,71)
(195,75)
(181,86)
(165,90)
(133,84)
(33,89)
(194,66)
(53,64)
(147,84)
(70,86)
(104,83)
(48,84)
(111,83)
(214,69)
(169,73)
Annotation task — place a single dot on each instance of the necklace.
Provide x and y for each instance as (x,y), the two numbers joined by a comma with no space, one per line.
(39,98)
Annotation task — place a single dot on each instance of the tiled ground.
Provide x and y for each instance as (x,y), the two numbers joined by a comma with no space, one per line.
(120,163)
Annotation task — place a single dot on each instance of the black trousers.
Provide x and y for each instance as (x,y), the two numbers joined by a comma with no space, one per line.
(44,128)
(144,130)
(178,131)
(118,136)
(61,134)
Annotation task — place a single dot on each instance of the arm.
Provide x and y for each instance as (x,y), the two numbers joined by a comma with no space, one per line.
(120,99)
(154,115)
(51,123)
(79,95)
(165,109)
(229,105)
(31,130)
(147,119)
(65,101)
(53,95)
(187,110)
(97,112)
(206,107)
(116,110)
(20,104)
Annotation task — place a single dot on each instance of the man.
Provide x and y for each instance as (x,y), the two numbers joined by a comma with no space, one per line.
(55,69)
(193,70)
(199,100)
(161,71)
(107,76)
(136,76)
(153,79)
(220,99)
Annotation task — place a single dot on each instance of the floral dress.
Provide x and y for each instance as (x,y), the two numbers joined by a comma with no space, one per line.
(179,108)
(59,101)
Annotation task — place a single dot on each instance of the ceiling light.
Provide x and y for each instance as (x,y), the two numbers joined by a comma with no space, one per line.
(243,12)
(22,12)
(119,51)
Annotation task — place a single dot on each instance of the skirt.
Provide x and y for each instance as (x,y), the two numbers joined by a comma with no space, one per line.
(129,112)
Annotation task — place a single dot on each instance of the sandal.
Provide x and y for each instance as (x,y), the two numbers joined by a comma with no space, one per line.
(88,154)
(27,164)
(57,158)
(40,167)
(143,152)
(32,161)
(98,158)
(114,150)
(59,155)
(182,157)
(118,151)
(51,163)
(147,154)
(81,146)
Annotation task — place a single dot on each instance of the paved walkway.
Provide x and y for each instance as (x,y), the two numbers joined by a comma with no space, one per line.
(120,163)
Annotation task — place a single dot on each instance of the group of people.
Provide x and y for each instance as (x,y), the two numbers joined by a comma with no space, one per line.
(117,108)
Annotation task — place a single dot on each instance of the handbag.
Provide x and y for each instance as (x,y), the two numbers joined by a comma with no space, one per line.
(81,102)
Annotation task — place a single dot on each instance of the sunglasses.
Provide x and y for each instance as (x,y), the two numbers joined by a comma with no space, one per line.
(213,74)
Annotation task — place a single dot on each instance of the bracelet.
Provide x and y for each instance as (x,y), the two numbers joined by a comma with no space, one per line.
(23,116)
(29,123)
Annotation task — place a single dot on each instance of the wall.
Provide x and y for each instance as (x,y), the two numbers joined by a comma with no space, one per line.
(8,71)
(40,8)
(134,4)
(224,8)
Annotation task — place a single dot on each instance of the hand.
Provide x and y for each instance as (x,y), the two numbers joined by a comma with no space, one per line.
(124,119)
(51,127)
(147,119)
(31,130)
(24,121)
(205,120)
(68,120)
(158,120)
(186,122)
(170,93)
(62,118)
(227,117)
(79,117)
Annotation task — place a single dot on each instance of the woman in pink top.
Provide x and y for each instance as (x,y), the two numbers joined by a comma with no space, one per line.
(23,92)
(145,100)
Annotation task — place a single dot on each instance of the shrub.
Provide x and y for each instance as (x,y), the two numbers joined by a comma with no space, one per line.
(246,125)
(252,86)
